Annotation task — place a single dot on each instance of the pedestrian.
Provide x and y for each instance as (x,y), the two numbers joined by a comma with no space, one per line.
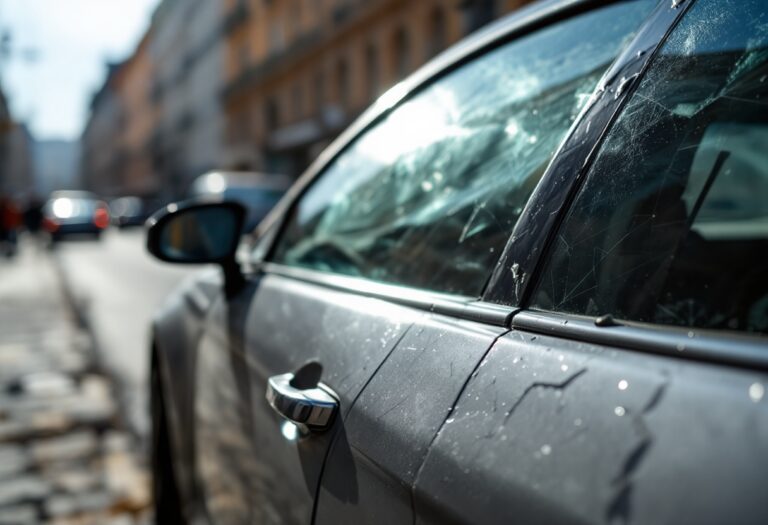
(33,215)
(10,220)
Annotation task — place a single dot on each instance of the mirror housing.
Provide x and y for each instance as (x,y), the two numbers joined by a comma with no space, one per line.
(197,232)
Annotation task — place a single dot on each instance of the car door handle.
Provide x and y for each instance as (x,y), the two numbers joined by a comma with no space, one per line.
(311,408)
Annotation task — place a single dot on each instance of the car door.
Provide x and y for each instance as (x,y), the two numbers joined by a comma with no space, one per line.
(476,184)
(407,218)
(253,466)
(631,388)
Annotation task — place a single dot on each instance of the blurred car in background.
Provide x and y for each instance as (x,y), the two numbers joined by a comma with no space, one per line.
(258,192)
(69,213)
(132,211)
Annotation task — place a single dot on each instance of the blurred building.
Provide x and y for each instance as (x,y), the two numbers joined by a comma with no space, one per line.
(55,165)
(157,121)
(5,122)
(100,166)
(16,168)
(21,176)
(299,71)
(187,53)
(6,125)
(255,84)
(137,121)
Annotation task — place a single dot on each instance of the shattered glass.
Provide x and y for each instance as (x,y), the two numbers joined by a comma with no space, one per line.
(429,196)
(671,225)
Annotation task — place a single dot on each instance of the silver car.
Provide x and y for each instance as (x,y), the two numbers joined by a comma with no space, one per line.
(527,286)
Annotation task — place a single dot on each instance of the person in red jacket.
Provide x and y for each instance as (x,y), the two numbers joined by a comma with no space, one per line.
(10,221)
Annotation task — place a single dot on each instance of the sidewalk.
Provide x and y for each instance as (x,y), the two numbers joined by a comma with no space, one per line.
(64,458)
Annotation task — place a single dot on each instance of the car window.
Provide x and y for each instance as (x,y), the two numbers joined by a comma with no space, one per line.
(429,195)
(671,225)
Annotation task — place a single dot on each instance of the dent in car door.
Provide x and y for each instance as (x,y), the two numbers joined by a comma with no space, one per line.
(253,466)
(372,466)
(556,431)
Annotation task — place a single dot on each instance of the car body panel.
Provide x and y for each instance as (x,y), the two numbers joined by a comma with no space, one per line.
(76,227)
(598,434)
(252,466)
(369,474)
(176,331)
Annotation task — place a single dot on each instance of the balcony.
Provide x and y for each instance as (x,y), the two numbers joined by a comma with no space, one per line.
(273,63)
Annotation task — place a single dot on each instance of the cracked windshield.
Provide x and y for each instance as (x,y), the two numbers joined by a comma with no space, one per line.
(383,261)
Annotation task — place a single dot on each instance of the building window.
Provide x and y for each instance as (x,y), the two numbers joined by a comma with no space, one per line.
(402,52)
(372,70)
(342,82)
(243,56)
(297,99)
(319,91)
(477,13)
(437,35)
(271,115)
(242,127)
(276,35)
(294,21)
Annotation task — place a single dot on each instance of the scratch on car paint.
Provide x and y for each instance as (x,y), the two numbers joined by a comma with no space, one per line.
(390,409)
(346,376)
(542,384)
(449,415)
(620,506)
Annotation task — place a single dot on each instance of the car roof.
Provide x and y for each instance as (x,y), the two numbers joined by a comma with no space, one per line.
(73,194)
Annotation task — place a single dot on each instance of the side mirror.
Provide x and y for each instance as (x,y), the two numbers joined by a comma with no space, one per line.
(197,233)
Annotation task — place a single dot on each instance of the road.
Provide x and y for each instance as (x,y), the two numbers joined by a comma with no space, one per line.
(65,455)
(117,286)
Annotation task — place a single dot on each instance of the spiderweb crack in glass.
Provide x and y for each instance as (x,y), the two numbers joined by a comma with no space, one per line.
(429,196)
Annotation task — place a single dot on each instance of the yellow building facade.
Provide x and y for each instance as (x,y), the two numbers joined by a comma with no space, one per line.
(138,120)
(299,71)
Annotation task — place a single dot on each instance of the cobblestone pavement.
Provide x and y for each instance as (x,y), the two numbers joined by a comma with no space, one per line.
(64,456)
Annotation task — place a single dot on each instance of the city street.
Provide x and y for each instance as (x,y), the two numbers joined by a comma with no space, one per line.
(66,456)
(117,286)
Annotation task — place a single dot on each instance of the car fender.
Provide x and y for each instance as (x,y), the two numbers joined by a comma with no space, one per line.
(176,331)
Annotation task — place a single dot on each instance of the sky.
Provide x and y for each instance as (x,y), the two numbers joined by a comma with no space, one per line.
(70,42)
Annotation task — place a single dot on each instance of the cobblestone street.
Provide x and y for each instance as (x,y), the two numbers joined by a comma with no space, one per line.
(65,457)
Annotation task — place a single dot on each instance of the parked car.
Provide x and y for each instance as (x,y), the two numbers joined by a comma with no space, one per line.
(527,286)
(258,192)
(74,213)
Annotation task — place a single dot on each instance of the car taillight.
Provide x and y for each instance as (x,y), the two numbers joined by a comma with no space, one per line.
(50,225)
(101,218)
